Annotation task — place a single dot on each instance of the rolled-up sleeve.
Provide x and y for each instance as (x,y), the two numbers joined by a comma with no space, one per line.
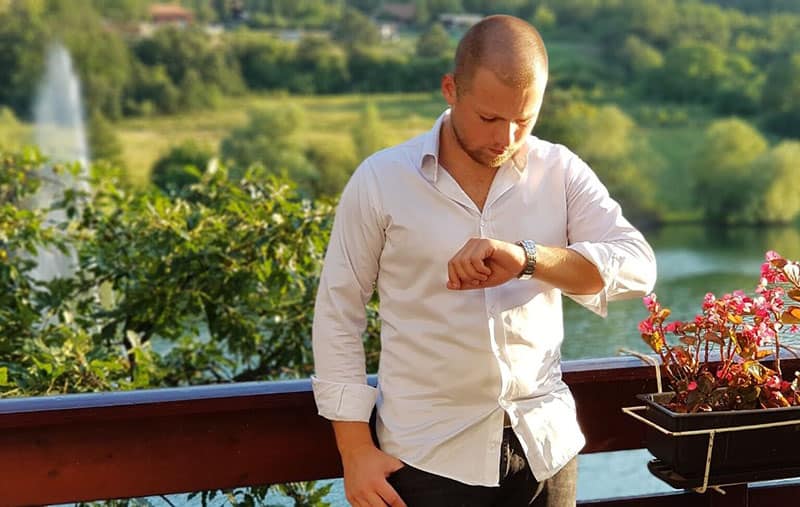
(346,285)
(598,231)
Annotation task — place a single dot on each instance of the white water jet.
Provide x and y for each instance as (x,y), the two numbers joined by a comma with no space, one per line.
(61,137)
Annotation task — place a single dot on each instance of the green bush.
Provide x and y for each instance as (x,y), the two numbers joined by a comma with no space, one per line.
(180,167)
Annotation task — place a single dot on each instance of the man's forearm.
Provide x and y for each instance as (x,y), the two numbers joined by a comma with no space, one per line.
(351,435)
(568,270)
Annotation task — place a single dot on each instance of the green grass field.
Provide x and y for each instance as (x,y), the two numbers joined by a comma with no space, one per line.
(328,120)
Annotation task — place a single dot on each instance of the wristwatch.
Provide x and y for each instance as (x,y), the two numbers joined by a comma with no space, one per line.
(530,258)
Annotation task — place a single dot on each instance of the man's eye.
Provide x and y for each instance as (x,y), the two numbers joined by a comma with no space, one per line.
(484,118)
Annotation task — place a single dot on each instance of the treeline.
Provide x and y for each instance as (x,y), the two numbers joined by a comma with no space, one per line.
(693,52)
(182,69)
(663,56)
(685,51)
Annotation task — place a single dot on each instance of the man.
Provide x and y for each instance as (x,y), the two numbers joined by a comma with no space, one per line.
(471,233)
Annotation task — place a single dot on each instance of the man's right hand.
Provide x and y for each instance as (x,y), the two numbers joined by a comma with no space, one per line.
(365,471)
(365,467)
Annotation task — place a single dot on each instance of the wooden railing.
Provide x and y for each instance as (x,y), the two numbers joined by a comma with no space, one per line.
(80,447)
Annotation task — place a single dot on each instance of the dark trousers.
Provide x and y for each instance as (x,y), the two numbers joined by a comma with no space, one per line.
(518,487)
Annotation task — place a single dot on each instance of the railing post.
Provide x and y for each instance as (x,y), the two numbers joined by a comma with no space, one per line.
(735,496)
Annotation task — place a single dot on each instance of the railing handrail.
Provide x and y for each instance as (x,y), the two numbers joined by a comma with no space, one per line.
(76,447)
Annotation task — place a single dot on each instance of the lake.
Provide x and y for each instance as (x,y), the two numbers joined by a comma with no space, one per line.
(692,260)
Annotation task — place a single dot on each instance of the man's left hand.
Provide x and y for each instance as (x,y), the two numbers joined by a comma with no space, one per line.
(484,262)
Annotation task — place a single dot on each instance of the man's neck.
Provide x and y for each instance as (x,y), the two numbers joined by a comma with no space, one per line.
(475,179)
(457,161)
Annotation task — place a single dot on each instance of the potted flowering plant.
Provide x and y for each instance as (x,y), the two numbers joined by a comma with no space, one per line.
(726,378)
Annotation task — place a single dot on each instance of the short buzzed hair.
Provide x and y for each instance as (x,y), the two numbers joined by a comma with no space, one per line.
(507,46)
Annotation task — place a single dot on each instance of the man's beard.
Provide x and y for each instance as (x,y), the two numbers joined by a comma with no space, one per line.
(493,161)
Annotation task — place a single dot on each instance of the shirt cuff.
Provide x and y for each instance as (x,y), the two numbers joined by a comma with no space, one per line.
(344,402)
(608,266)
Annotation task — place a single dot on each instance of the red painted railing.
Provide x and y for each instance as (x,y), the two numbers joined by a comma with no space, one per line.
(71,448)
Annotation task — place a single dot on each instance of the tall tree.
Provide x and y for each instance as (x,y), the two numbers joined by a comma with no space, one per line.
(355,29)
(369,133)
(434,42)
(271,139)
(723,170)
(782,87)
(775,185)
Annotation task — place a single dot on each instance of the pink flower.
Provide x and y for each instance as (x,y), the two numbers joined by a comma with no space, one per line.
(774,382)
(772,255)
(692,385)
(651,303)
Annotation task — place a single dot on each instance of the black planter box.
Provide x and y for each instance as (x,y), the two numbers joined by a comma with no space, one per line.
(758,452)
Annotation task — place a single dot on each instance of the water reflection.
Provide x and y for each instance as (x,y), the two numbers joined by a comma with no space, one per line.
(692,260)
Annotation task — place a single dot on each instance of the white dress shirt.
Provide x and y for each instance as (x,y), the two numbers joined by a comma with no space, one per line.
(452,362)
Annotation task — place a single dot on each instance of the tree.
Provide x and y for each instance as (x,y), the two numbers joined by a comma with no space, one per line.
(421,13)
(369,133)
(265,61)
(151,91)
(724,172)
(335,162)
(604,138)
(22,49)
(101,57)
(368,7)
(782,86)
(434,42)
(183,52)
(640,57)
(270,139)
(693,71)
(544,18)
(355,29)
(652,20)
(324,62)
(777,173)
(741,92)
(181,166)
(103,141)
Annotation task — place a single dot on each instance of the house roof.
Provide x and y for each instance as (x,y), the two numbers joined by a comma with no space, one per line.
(170,12)
(400,11)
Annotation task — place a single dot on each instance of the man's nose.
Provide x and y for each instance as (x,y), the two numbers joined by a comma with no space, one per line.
(506,133)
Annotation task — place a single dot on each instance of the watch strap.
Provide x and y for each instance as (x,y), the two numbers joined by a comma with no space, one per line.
(530,258)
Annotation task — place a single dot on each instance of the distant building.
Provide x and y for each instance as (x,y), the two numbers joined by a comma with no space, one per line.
(170,14)
(404,13)
(459,21)
(165,15)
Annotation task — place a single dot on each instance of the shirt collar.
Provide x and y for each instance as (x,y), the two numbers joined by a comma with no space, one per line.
(429,157)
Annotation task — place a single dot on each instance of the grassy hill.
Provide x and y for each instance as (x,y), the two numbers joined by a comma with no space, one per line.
(328,120)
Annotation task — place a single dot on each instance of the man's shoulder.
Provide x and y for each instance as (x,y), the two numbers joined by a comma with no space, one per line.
(404,156)
(549,151)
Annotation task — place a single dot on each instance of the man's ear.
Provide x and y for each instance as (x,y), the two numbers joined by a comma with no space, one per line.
(449,89)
